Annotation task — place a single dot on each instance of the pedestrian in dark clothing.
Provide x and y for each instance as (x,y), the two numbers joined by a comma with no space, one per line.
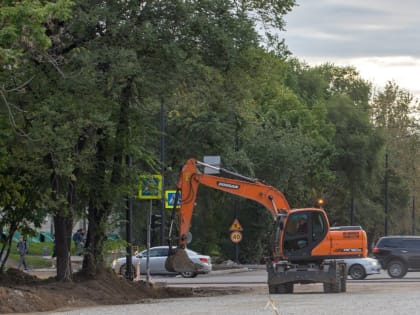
(54,254)
(78,239)
(22,249)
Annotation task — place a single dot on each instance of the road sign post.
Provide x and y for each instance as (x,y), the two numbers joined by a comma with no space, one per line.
(150,188)
(236,235)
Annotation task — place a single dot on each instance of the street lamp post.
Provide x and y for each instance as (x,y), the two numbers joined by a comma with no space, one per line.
(162,171)
(129,217)
(386,195)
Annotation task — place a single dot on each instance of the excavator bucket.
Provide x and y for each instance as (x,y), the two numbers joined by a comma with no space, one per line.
(178,261)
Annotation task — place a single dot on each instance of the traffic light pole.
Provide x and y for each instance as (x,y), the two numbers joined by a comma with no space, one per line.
(162,172)
(129,217)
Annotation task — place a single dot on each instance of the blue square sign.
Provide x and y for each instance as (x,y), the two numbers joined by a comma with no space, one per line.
(170,199)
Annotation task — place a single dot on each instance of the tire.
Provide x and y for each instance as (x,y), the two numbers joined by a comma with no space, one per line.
(284,288)
(272,289)
(338,285)
(357,272)
(343,278)
(188,274)
(396,269)
(123,268)
(327,287)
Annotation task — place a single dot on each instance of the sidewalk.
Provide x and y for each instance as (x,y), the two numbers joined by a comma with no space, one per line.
(44,273)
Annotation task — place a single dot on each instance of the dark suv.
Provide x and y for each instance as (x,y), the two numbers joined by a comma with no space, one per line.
(398,254)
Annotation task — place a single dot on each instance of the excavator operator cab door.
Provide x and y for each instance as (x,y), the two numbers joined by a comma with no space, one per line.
(304,230)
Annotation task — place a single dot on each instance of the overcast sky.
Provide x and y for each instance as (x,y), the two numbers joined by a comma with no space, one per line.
(381,38)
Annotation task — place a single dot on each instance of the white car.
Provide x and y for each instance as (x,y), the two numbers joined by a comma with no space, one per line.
(360,268)
(157,260)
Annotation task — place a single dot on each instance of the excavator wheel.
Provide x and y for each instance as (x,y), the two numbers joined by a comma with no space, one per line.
(284,288)
(334,287)
(339,283)
(343,277)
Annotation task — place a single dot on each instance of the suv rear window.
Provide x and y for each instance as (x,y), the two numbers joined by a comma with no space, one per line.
(399,243)
(390,242)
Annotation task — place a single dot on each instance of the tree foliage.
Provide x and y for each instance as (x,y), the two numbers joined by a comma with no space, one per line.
(24,26)
(83,86)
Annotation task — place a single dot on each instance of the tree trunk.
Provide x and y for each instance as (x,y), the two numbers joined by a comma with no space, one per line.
(63,227)
(98,213)
(93,260)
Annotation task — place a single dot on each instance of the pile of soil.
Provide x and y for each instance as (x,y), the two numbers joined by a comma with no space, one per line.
(24,293)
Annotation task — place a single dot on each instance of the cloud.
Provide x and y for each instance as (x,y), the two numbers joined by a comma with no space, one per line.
(359,28)
(381,38)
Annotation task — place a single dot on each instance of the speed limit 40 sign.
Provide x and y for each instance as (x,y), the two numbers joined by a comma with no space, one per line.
(236,236)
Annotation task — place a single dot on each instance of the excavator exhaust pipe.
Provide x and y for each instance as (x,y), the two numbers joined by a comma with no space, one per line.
(178,261)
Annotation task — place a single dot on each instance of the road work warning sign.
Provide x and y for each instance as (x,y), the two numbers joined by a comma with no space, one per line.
(236,226)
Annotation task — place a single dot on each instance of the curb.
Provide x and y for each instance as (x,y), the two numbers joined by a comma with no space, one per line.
(233,270)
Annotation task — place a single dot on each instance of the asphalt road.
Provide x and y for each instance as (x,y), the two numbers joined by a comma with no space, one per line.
(377,294)
(361,298)
(258,277)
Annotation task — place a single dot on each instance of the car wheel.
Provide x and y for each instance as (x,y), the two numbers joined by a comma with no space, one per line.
(123,270)
(188,274)
(397,269)
(357,272)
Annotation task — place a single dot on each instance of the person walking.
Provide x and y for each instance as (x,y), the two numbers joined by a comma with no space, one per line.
(54,253)
(78,239)
(22,249)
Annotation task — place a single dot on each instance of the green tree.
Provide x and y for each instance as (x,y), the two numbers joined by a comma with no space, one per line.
(392,110)
(24,27)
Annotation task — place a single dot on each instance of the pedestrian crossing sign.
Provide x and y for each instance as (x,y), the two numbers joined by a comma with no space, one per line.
(170,199)
(150,187)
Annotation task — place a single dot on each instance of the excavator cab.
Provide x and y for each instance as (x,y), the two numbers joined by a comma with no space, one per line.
(304,230)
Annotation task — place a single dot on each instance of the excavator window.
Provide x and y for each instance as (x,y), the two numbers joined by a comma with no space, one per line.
(318,226)
(297,229)
(303,225)
(297,224)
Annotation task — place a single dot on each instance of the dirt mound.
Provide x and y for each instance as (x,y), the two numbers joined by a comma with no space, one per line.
(22,293)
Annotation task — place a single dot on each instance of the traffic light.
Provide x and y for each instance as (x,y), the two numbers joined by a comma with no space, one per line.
(156,222)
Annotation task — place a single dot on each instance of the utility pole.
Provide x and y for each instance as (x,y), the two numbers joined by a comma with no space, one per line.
(413,231)
(162,172)
(386,195)
(235,202)
(129,217)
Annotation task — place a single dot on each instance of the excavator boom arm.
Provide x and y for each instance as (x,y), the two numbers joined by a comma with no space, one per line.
(190,179)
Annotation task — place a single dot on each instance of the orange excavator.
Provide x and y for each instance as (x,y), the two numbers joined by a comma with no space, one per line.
(305,249)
